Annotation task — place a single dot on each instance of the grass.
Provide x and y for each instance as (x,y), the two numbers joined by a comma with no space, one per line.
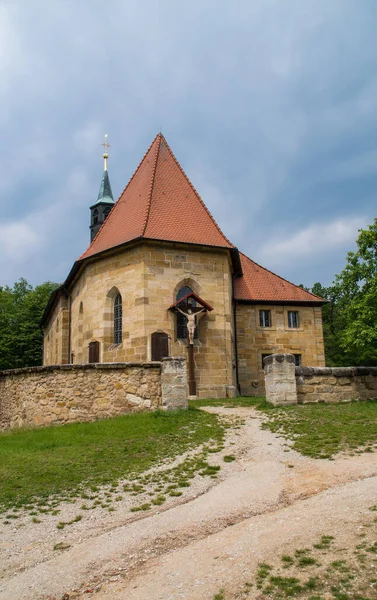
(101,461)
(316,430)
(315,575)
(323,430)
(66,461)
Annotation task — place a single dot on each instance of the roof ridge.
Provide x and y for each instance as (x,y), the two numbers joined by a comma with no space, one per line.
(117,204)
(279,276)
(195,191)
(148,210)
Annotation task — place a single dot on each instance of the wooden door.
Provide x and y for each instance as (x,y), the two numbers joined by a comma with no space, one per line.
(160,345)
(94,352)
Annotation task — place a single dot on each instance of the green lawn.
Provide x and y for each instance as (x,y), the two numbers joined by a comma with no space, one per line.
(61,460)
(317,430)
(323,430)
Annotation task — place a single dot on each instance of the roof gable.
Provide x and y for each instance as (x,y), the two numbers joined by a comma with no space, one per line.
(260,284)
(158,203)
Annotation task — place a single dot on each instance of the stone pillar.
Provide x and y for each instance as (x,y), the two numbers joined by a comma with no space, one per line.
(174,389)
(280,379)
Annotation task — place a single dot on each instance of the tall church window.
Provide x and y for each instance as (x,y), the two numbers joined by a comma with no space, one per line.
(181,319)
(118,319)
(95,216)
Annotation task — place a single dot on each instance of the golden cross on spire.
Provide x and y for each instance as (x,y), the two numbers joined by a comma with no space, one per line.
(106,145)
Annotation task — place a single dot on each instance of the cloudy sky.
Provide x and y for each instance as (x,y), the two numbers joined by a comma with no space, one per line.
(269,105)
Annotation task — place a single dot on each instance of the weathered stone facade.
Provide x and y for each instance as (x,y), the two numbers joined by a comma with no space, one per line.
(254,341)
(287,384)
(40,396)
(335,384)
(56,335)
(148,277)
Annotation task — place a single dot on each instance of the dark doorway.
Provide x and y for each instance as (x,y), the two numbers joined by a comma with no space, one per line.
(160,345)
(94,352)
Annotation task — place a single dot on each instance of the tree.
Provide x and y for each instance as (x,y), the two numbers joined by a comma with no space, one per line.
(350,315)
(21,309)
(356,288)
(333,324)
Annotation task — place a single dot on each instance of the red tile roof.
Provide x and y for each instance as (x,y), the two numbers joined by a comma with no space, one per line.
(159,203)
(259,284)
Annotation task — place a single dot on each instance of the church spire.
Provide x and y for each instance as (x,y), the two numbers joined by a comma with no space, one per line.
(106,145)
(105,199)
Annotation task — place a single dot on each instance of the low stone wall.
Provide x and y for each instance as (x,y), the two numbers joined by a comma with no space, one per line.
(335,384)
(287,384)
(40,396)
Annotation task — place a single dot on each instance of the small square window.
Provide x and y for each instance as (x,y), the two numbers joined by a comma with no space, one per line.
(297,360)
(293,319)
(265,318)
(263,357)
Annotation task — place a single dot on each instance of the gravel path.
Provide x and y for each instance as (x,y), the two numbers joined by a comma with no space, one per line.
(268,498)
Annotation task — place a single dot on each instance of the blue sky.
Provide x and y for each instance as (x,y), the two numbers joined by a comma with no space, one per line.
(270,106)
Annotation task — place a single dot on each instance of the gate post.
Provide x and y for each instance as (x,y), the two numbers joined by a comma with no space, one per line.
(280,379)
(174,383)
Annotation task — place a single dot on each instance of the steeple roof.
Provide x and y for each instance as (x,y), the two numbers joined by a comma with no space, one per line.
(159,203)
(105,194)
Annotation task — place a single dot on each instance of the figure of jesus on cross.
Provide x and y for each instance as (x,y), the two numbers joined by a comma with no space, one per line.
(191,322)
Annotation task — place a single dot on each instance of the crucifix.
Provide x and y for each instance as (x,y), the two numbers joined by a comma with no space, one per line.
(191,321)
(187,306)
(191,315)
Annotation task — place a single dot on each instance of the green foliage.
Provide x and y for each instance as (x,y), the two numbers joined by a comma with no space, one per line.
(350,317)
(21,309)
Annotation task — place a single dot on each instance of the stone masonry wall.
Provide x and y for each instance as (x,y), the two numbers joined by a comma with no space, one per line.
(40,396)
(335,384)
(287,384)
(253,341)
(148,277)
(280,379)
(55,348)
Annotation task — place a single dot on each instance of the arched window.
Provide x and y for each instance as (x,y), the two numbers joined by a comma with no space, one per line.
(95,216)
(118,319)
(181,319)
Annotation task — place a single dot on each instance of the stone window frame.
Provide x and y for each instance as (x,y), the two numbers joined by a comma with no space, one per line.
(118,319)
(109,343)
(287,326)
(298,359)
(262,314)
(258,310)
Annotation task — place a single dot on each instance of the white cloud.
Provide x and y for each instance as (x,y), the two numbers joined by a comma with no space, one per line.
(312,242)
(18,241)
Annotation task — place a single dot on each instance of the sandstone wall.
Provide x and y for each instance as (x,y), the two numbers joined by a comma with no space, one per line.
(148,277)
(286,384)
(64,394)
(208,273)
(335,384)
(253,341)
(55,348)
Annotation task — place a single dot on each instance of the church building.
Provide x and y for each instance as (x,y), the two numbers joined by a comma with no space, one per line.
(157,254)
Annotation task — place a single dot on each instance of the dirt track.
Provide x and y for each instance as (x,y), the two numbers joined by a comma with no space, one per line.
(268,500)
